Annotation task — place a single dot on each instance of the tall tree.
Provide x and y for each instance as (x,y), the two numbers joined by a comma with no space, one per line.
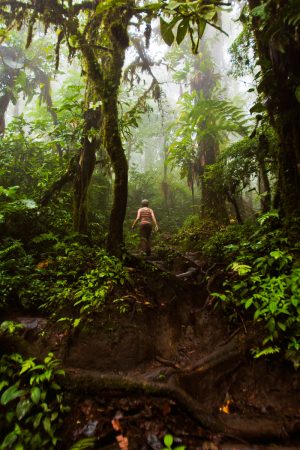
(99,31)
(276,26)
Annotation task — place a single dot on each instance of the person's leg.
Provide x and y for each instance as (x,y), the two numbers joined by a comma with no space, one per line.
(148,235)
(145,230)
(143,233)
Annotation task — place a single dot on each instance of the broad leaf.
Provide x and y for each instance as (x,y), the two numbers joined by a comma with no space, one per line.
(10,394)
(22,408)
(35,394)
(182,30)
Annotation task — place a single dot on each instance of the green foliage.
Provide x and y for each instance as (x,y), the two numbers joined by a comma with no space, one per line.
(195,232)
(28,160)
(11,202)
(220,246)
(237,165)
(9,327)
(169,441)
(95,286)
(31,401)
(220,117)
(83,443)
(264,279)
(15,265)
(188,17)
(242,50)
(71,279)
(72,282)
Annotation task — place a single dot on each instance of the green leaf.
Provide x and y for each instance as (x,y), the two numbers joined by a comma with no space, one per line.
(9,440)
(27,364)
(297,93)
(35,394)
(23,407)
(294,301)
(260,11)
(3,384)
(174,4)
(271,325)
(248,303)
(10,394)
(168,440)
(47,425)
(242,269)
(84,443)
(182,30)
(273,307)
(76,322)
(258,107)
(267,351)
(276,254)
(37,420)
(282,326)
(166,31)
(54,416)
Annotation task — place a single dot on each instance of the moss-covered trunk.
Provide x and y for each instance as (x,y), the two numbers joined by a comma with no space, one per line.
(86,162)
(104,70)
(279,54)
(8,80)
(213,203)
(116,24)
(119,163)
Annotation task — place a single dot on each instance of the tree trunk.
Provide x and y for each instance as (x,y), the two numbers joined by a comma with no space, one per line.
(105,79)
(86,162)
(116,23)
(117,156)
(235,205)
(280,78)
(213,202)
(9,79)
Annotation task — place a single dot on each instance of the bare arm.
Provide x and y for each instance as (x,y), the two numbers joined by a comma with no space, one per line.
(137,219)
(154,219)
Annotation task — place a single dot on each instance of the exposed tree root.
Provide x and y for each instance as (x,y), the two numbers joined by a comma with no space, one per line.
(249,429)
(233,350)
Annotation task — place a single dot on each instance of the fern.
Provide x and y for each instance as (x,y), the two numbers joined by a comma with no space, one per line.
(45,237)
(257,353)
(17,246)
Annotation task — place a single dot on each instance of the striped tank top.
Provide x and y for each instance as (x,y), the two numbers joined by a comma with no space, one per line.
(145,215)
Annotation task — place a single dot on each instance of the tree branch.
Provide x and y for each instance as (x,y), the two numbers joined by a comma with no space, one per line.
(59,184)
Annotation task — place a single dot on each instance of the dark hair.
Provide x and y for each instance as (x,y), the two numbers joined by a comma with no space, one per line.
(145,202)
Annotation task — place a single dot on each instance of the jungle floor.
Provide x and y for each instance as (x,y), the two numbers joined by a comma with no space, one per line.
(169,362)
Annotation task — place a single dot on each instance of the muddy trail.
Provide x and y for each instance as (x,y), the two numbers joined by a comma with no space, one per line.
(166,361)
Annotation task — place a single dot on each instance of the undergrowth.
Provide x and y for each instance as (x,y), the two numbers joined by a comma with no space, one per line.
(263,282)
(31,402)
(71,281)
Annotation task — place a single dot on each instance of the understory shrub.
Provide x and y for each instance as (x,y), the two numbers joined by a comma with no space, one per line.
(73,280)
(31,402)
(68,278)
(263,280)
(195,232)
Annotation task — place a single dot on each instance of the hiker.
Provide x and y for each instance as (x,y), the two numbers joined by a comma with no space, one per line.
(147,218)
